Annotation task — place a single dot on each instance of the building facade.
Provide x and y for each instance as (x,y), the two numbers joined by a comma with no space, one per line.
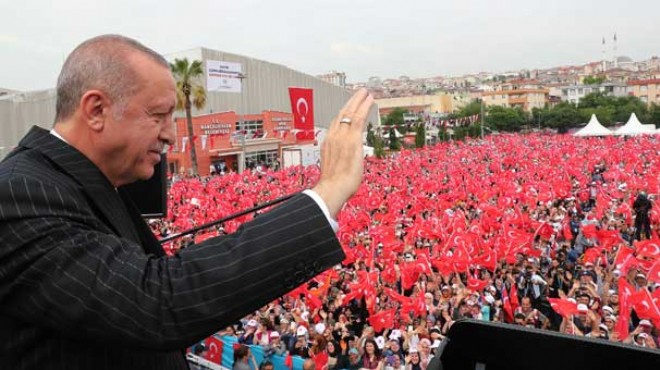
(441,103)
(647,91)
(525,97)
(226,142)
(574,93)
(335,78)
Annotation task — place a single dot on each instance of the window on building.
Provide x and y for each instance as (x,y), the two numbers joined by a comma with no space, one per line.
(265,158)
(580,91)
(252,129)
(644,99)
(643,88)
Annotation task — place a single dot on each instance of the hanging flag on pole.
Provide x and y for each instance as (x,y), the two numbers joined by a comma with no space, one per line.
(302,106)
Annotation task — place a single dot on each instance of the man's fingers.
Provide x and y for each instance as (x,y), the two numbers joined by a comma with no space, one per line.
(361,114)
(355,101)
(349,109)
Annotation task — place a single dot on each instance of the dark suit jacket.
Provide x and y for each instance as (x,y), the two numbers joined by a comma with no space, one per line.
(85,285)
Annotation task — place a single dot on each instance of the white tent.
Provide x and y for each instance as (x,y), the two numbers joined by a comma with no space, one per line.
(634,127)
(593,128)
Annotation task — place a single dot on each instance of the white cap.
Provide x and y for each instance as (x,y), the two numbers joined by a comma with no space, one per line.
(608,309)
(646,323)
(582,308)
(489,298)
(252,323)
(320,328)
(301,331)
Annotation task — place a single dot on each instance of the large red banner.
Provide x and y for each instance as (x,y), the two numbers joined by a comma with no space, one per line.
(302,107)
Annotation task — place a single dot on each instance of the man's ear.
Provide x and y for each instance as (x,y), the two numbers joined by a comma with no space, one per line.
(95,108)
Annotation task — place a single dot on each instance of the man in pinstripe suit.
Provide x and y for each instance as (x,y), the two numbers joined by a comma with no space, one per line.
(83,282)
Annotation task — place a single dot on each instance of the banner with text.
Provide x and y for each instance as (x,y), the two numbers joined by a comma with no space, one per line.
(223,76)
(302,107)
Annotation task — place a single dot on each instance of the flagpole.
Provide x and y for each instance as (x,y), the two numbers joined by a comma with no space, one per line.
(243,131)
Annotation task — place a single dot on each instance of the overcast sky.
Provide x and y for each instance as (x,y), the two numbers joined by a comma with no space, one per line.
(386,38)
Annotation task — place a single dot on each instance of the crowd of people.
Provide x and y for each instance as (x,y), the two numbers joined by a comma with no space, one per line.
(543,231)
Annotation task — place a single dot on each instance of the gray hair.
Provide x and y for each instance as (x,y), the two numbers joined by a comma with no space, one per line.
(100,63)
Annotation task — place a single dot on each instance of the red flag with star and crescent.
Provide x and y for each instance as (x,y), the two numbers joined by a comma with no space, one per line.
(214,346)
(302,107)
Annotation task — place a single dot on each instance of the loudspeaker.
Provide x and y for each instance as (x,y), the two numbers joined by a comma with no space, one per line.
(150,196)
(472,344)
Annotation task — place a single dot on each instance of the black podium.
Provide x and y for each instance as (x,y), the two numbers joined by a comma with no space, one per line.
(478,345)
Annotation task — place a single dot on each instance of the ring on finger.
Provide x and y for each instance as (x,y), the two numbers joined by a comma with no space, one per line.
(345,120)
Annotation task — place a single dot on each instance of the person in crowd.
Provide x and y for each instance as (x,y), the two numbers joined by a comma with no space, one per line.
(318,351)
(642,206)
(352,361)
(334,354)
(413,361)
(275,347)
(371,358)
(248,337)
(266,365)
(309,364)
(243,359)
(533,317)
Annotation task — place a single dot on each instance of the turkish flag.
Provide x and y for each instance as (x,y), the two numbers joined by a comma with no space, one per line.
(515,303)
(506,306)
(302,106)
(645,307)
(648,248)
(476,285)
(382,320)
(563,307)
(214,346)
(654,273)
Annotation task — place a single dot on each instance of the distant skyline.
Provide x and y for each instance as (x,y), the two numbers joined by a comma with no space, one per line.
(362,38)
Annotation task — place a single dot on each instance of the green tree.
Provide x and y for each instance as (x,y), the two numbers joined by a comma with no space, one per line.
(593,80)
(395,118)
(474,107)
(371,136)
(654,115)
(605,114)
(505,119)
(395,144)
(626,105)
(443,135)
(379,150)
(596,99)
(189,92)
(561,117)
(420,135)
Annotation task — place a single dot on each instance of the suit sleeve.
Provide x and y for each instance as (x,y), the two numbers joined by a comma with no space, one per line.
(60,271)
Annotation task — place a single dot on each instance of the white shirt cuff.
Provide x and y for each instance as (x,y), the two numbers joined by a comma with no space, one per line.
(324,208)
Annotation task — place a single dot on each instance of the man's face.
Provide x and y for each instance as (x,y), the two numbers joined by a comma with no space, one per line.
(526,305)
(135,131)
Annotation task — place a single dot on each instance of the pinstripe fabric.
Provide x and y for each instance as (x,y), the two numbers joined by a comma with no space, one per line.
(78,291)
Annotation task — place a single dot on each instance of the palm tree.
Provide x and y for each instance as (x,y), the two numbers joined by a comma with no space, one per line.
(189,93)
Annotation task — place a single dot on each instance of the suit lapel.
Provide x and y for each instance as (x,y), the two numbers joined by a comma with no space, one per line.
(99,191)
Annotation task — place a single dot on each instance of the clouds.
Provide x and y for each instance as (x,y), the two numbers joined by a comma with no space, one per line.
(360,37)
(349,49)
